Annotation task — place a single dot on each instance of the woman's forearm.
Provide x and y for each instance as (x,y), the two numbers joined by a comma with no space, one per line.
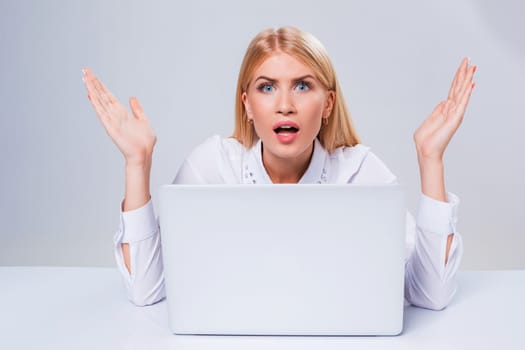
(137,191)
(432,178)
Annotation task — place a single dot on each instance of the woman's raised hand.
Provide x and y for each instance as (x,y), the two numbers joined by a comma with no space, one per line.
(131,132)
(434,134)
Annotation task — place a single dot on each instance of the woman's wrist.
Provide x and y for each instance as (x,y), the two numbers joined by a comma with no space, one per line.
(137,185)
(143,159)
(143,166)
(432,175)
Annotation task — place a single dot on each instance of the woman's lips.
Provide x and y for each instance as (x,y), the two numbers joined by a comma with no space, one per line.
(285,124)
(286,131)
(287,137)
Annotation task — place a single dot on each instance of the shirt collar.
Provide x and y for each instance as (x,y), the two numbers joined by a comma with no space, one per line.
(255,173)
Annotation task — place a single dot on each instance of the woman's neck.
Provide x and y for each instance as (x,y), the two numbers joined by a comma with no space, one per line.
(286,170)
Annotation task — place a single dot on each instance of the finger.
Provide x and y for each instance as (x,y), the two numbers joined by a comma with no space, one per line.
(101,112)
(84,71)
(453,85)
(85,79)
(468,82)
(463,103)
(433,121)
(136,108)
(93,92)
(94,95)
(455,115)
(455,80)
(105,94)
(449,111)
(87,71)
(438,111)
(88,78)
(462,76)
(459,79)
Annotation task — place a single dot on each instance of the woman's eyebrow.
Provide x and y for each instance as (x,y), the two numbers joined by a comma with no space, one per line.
(303,77)
(264,78)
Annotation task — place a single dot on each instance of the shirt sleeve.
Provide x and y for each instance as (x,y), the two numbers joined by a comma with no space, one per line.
(429,282)
(140,229)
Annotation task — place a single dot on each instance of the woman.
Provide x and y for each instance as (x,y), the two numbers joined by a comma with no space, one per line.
(291,126)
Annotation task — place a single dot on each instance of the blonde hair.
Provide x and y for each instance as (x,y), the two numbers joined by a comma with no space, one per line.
(339,131)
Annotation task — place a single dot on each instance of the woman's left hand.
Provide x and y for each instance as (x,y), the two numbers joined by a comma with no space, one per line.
(434,134)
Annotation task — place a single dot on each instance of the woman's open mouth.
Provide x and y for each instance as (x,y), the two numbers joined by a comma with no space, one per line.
(286,131)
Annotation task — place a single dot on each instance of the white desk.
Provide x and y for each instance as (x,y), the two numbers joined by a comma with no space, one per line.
(86,308)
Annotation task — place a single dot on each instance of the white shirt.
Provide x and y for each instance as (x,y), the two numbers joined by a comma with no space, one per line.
(429,283)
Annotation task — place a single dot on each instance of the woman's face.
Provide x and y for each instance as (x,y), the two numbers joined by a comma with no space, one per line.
(286,103)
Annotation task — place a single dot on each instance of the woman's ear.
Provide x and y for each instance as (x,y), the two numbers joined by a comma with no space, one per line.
(330,100)
(244,98)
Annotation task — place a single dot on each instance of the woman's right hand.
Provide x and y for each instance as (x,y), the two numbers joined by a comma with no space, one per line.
(131,132)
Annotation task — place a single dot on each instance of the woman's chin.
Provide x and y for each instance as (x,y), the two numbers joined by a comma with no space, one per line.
(290,149)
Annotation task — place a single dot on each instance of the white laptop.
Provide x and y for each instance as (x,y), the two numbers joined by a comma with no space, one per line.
(284,259)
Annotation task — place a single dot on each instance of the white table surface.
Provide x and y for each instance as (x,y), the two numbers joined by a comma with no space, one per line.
(86,308)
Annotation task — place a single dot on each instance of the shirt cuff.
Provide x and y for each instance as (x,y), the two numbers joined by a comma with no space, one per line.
(138,224)
(436,216)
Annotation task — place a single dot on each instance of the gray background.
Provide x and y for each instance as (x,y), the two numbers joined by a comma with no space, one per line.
(62,179)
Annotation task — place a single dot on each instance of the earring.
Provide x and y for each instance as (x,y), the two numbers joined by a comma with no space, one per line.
(325,121)
(250,121)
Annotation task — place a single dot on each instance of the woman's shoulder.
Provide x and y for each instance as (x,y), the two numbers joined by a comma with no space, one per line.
(217,145)
(213,161)
(360,165)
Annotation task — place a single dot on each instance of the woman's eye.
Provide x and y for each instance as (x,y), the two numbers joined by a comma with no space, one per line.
(303,86)
(266,87)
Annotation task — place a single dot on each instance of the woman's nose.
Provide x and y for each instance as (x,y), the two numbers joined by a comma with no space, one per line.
(285,104)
